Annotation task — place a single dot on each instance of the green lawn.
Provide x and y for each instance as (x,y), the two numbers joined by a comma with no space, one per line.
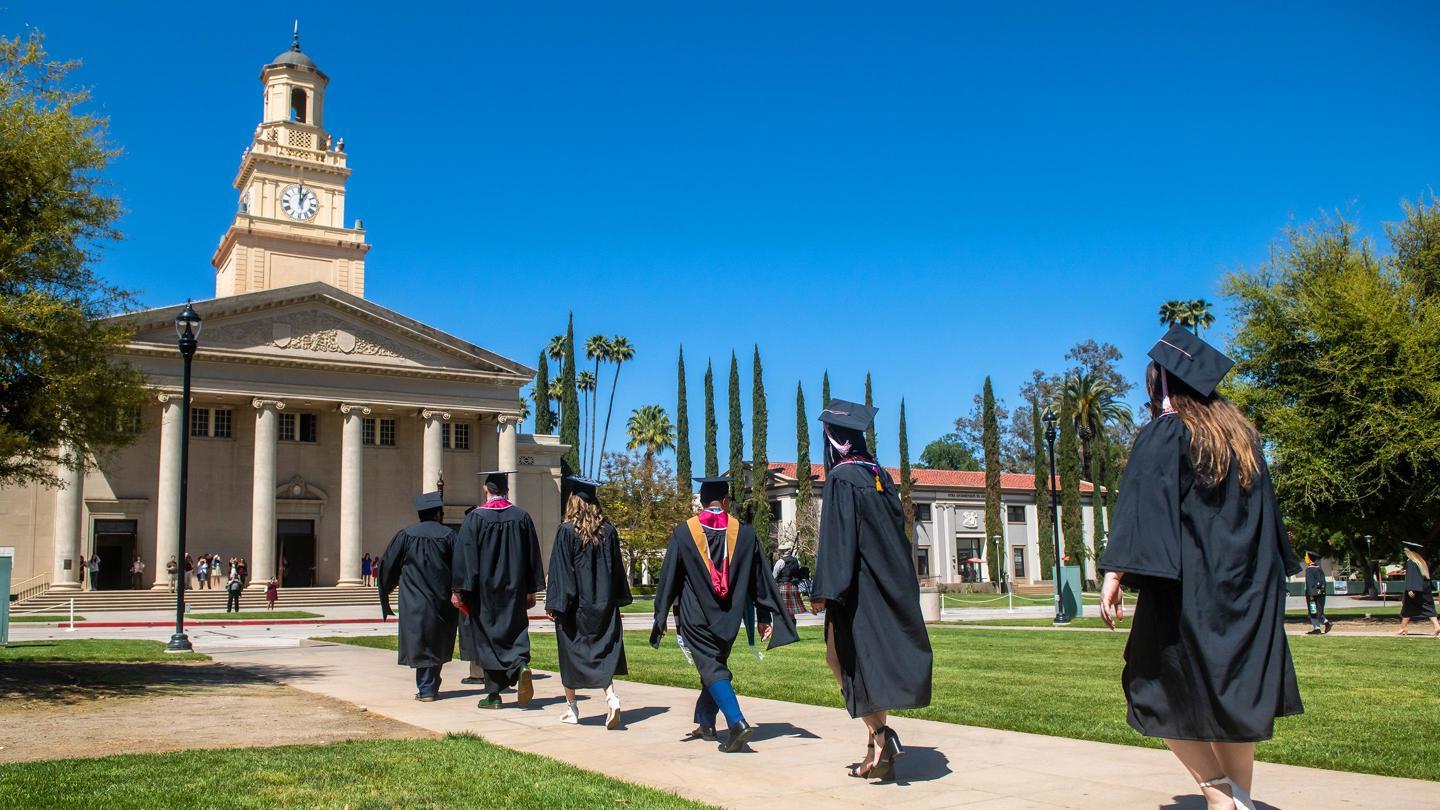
(39,618)
(256,614)
(457,771)
(1000,600)
(94,650)
(1093,620)
(1370,704)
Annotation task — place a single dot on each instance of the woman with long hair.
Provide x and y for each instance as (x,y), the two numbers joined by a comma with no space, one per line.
(1198,534)
(588,584)
(1419,602)
(875,639)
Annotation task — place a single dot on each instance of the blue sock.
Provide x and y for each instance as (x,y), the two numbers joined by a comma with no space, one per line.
(724,695)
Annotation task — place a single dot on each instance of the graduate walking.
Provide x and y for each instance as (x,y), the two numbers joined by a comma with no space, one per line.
(1419,601)
(865,582)
(418,560)
(1315,596)
(588,584)
(1198,534)
(714,568)
(496,575)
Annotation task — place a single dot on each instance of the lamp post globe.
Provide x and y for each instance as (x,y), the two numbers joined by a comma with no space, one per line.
(187,332)
(1050,419)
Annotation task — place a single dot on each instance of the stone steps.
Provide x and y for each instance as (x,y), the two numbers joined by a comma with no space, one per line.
(199,599)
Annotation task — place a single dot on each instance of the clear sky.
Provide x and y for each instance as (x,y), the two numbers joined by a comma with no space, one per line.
(933,194)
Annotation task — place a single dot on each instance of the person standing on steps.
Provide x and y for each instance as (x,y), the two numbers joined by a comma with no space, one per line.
(137,573)
(496,576)
(1315,596)
(94,566)
(865,582)
(1419,601)
(714,568)
(588,584)
(1197,531)
(418,560)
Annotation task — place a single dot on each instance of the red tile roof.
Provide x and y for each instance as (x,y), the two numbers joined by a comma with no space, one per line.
(938,479)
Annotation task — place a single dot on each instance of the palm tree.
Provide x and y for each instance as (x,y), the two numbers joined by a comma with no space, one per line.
(556,348)
(651,429)
(557,389)
(524,408)
(1175,313)
(621,352)
(1197,313)
(597,348)
(585,384)
(1094,402)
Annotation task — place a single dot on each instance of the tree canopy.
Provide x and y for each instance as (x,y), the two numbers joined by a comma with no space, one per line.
(949,452)
(643,501)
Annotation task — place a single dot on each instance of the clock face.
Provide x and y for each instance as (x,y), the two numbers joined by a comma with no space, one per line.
(299,202)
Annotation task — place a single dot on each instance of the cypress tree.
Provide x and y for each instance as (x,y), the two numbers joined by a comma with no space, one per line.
(1067,453)
(804,487)
(682,428)
(825,390)
(712,453)
(1097,498)
(1045,524)
(737,441)
(907,501)
(544,416)
(759,455)
(870,431)
(994,521)
(569,406)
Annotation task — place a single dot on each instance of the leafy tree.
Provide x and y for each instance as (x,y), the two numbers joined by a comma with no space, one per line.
(597,348)
(804,487)
(1338,367)
(1100,360)
(1067,456)
(948,452)
(737,441)
(544,416)
(59,384)
(1096,405)
(1193,314)
(1046,522)
(759,455)
(870,431)
(825,390)
(618,351)
(650,428)
(569,404)
(712,453)
(970,429)
(907,486)
(994,521)
(644,502)
(1175,312)
(682,427)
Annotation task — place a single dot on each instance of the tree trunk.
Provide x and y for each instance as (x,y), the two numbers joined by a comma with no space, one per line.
(609,409)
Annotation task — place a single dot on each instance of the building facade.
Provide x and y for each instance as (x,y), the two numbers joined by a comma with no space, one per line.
(950,542)
(315,413)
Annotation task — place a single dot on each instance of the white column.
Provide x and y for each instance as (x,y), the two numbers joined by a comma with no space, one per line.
(433,450)
(68,507)
(947,538)
(262,492)
(167,501)
(508,457)
(352,493)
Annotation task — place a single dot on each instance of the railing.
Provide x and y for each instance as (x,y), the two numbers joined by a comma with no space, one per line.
(300,142)
(66,608)
(34,586)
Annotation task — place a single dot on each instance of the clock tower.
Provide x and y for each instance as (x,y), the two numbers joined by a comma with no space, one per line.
(289,225)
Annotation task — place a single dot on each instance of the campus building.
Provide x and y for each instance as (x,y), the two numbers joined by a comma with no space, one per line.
(316,413)
(950,522)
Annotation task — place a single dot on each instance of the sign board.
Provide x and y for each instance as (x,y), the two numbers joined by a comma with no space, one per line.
(7,560)
(1342,587)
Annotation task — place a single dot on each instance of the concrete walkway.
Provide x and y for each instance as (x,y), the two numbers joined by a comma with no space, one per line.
(800,752)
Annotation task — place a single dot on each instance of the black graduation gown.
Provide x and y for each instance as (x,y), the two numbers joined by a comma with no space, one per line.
(1314,581)
(1422,604)
(497,564)
(865,572)
(587,584)
(710,622)
(1207,657)
(418,561)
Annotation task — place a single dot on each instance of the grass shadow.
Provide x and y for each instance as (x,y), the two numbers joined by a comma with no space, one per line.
(72,682)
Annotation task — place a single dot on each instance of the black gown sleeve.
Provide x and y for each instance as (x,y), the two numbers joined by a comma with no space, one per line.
(465,562)
(620,586)
(560,588)
(769,604)
(668,588)
(1145,540)
(390,571)
(536,579)
(838,545)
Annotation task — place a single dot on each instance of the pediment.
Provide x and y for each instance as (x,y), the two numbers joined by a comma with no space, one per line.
(316,322)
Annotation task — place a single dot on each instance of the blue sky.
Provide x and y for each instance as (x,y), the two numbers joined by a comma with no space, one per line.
(933,194)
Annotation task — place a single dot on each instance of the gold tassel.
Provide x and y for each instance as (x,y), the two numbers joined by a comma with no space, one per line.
(878,487)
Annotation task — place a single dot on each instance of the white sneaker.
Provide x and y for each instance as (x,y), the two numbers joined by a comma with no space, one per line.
(612,719)
(572,715)
(1239,797)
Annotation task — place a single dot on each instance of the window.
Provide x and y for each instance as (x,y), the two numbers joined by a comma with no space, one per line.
(127,421)
(298,427)
(378,432)
(922,562)
(297,105)
(1017,559)
(219,427)
(922,512)
(456,436)
(774,511)
(1015,514)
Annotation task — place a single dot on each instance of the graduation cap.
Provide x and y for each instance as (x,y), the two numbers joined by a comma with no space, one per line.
(853,415)
(584,488)
(499,479)
(428,501)
(1192,360)
(1412,545)
(714,488)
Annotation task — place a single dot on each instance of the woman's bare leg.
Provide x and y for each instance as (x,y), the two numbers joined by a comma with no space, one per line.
(1404,625)
(1199,759)
(831,658)
(1237,760)
(1434,622)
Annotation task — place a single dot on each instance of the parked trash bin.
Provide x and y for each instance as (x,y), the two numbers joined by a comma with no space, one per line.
(930,603)
(1070,590)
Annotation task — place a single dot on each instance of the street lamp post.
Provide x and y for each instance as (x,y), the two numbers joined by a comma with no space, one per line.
(1371,566)
(1050,420)
(187,328)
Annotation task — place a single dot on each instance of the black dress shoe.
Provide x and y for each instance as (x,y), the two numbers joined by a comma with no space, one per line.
(736,736)
(471,681)
(706,733)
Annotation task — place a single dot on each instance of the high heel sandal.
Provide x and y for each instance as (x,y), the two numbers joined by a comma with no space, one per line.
(884,769)
(862,771)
